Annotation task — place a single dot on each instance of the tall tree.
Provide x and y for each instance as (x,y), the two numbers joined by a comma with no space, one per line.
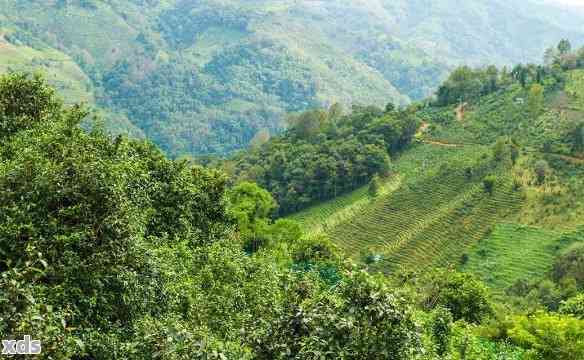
(564,47)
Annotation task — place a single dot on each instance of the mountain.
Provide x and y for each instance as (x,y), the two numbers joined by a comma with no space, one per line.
(206,76)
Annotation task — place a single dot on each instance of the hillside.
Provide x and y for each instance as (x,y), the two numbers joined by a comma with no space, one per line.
(202,77)
(495,189)
(448,229)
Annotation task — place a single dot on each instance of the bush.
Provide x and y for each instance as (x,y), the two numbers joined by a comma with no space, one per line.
(549,336)
(570,265)
(464,296)
(489,183)
(574,306)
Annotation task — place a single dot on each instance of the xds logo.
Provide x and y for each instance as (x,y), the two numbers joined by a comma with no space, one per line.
(21,347)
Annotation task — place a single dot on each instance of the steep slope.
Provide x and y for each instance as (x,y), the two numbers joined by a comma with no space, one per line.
(206,76)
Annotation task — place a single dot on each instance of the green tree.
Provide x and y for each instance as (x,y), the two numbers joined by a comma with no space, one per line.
(25,102)
(542,170)
(564,47)
(574,306)
(549,336)
(521,74)
(461,293)
(361,318)
(251,206)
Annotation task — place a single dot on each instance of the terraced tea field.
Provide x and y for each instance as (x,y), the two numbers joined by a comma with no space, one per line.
(433,215)
(331,213)
(421,160)
(513,252)
(452,228)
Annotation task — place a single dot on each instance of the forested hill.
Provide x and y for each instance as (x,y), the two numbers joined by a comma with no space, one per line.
(207,76)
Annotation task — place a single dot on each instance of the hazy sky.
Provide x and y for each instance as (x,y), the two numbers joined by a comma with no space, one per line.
(568,2)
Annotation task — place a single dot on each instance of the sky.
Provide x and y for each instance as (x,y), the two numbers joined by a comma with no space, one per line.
(568,2)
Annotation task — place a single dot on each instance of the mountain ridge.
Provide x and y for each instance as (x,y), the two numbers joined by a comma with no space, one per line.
(239,68)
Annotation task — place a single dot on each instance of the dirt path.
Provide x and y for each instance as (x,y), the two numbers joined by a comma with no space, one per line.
(441,143)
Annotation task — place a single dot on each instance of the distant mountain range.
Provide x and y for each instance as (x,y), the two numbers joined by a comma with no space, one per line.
(205,76)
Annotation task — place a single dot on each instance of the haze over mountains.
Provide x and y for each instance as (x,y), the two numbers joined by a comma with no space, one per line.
(206,76)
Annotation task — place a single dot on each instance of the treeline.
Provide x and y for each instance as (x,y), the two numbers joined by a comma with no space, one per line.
(466,84)
(326,153)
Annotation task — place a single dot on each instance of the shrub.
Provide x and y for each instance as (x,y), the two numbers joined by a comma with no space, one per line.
(549,336)
(463,295)
(574,306)
(489,183)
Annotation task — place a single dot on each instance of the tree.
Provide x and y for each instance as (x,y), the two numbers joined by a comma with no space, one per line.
(251,206)
(574,306)
(489,183)
(564,47)
(550,56)
(463,295)
(308,124)
(26,102)
(521,74)
(361,319)
(541,171)
(549,336)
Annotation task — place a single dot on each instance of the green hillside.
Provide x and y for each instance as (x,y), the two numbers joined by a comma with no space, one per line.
(201,77)
(446,229)
(491,189)
(513,252)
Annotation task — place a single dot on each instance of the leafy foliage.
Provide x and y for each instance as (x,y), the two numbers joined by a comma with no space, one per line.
(110,248)
(462,294)
(324,154)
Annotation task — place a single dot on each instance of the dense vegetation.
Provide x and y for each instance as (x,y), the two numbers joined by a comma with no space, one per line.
(200,77)
(110,249)
(325,153)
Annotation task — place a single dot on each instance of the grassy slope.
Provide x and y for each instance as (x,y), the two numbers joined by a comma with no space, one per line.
(60,69)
